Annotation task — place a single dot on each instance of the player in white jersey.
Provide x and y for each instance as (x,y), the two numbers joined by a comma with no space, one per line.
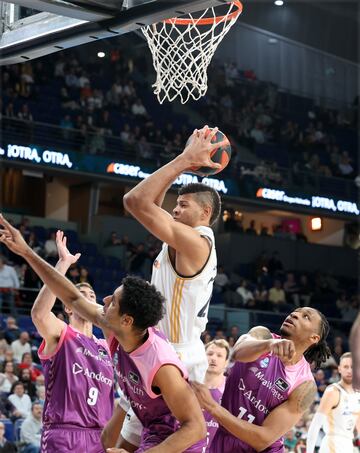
(338,414)
(185,269)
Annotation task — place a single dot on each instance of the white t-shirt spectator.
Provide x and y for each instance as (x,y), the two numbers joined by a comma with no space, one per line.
(138,109)
(50,248)
(30,432)
(21,403)
(257,135)
(8,277)
(246,294)
(6,383)
(19,349)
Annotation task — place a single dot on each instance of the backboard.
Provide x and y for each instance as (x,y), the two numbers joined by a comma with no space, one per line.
(33,28)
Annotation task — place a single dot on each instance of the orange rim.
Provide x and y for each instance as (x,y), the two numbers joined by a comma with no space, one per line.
(207,20)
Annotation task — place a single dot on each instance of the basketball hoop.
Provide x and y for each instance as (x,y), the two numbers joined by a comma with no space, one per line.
(182,49)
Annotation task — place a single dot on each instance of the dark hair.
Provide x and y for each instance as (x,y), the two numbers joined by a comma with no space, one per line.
(319,352)
(142,302)
(208,196)
(15,384)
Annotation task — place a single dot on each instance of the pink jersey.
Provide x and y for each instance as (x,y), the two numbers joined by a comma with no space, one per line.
(252,391)
(135,372)
(78,380)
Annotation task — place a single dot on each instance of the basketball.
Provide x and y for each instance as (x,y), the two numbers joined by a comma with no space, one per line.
(221,155)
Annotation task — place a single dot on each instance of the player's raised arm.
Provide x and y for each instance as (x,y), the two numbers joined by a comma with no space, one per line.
(259,341)
(46,323)
(142,201)
(329,400)
(278,422)
(57,283)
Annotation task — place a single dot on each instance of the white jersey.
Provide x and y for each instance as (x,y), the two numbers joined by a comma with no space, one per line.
(187,299)
(340,423)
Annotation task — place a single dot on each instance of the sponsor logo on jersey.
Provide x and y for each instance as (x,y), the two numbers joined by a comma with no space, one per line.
(264,363)
(157,264)
(99,377)
(281,384)
(102,356)
(259,374)
(133,377)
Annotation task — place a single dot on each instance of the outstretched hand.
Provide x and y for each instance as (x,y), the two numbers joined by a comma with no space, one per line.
(64,254)
(12,238)
(198,151)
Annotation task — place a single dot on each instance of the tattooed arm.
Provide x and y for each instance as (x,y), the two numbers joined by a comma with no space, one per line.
(277,423)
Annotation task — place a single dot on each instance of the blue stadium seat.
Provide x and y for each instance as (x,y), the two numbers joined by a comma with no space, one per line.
(9,429)
(17,429)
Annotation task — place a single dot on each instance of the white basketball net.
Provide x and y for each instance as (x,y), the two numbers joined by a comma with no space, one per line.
(182,52)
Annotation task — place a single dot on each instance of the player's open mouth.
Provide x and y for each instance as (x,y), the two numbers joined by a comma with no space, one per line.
(289,322)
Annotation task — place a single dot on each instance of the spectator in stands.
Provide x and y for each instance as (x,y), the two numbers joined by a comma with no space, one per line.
(257,134)
(137,260)
(221,280)
(12,331)
(85,276)
(5,445)
(143,149)
(27,363)
(25,378)
(113,240)
(30,432)
(291,289)
(50,249)
(219,335)
(3,348)
(34,243)
(7,377)
(304,291)
(261,296)
(20,400)
(25,113)
(235,332)
(251,229)
(320,381)
(138,109)
(277,297)
(66,124)
(21,346)
(73,274)
(345,167)
(9,283)
(275,265)
(25,228)
(41,394)
(261,262)
(246,295)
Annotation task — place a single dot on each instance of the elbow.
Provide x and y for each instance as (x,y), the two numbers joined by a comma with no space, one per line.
(131,201)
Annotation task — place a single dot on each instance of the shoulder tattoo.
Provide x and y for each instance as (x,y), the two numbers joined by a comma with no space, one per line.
(305,396)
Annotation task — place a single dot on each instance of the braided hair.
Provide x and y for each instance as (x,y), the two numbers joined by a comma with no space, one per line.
(319,352)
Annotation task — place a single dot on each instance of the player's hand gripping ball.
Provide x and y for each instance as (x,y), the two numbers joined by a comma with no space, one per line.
(221,155)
